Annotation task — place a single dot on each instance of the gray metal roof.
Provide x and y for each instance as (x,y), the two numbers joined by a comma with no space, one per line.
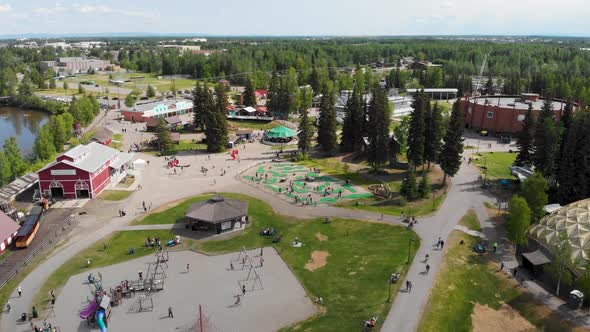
(103,134)
(514,102)
(121,160)
(9,192)
(87,157)
(218,209)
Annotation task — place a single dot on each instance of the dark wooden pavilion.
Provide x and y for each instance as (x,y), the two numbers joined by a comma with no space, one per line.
(217,214)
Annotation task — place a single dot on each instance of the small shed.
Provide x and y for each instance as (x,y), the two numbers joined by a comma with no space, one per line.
(217,214)
(152,124)
(173,121)
(103,136)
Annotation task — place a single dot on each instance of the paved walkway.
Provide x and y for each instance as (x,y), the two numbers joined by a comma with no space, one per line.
(165,187)
(464,194)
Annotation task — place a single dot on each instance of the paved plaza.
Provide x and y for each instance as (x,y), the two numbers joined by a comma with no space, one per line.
(301,185)
(278,302)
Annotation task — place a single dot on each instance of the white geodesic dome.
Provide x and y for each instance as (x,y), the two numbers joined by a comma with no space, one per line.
(571,221)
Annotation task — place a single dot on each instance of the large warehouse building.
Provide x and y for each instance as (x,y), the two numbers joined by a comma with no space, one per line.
(161,109)
(504,114)
(84,171)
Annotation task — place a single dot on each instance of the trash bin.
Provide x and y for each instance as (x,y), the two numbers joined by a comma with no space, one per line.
(576,299)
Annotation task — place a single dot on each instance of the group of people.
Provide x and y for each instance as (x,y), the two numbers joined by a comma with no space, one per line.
(153,242)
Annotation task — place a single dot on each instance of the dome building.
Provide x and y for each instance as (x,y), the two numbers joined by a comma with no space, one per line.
(570,223)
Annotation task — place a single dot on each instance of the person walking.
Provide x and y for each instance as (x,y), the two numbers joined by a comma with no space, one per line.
(427,268)
(170,314)
(495,246)
(8,307)
(261,261)
(187,268)
(243,289)
(261,251)
(501,266)
(408,286)
(19,290)
(514,272)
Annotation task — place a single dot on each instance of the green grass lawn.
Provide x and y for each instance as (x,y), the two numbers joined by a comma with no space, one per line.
(394,208)
(117,251)
(470,221)
(115,195)
(251,124)
(353,283)
(338,170)
(497,163)
(467,278)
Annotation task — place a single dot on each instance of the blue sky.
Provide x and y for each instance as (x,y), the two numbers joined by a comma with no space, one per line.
(298,17)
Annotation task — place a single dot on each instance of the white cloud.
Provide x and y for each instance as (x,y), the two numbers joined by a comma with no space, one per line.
(107,10)
(5,8)
(58,8)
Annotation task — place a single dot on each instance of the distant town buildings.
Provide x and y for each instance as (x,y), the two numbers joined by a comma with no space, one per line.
(75,64)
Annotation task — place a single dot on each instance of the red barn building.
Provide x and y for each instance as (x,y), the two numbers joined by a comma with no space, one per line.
(8,229)
(84,171)
(504,114)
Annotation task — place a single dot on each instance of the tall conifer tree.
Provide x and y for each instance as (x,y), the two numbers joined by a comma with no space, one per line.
(416,132)
(432,134)
(327,140)
(451,155)
(379,115)
(525,139)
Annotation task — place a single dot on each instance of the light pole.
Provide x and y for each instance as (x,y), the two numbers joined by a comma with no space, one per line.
(409,249)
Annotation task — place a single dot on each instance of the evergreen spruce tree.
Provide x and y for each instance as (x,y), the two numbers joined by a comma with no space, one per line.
(567,119)
(546,141)
(314,80)
(216,125)
(416,133)
(305,129)
(14,156)
(432,134)
(327,140)
(379,118)
(201,105)
(525,139)
(249,94)
(274,95)
(352,138)
(163,134)
(451,154)
(424,187)
(409,188)
(571,176)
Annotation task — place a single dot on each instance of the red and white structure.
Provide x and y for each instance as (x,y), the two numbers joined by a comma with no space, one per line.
(84,171)
(8,229)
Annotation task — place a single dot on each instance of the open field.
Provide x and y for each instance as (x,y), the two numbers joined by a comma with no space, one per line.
(251,124)
(335,262)
(497,164)
(470,292)
(138,81)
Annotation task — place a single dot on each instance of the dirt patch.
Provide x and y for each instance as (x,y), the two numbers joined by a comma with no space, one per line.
(486,319)
(317,261)
(321,237)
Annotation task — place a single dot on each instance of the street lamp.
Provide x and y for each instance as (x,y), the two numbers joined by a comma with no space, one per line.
(409,248)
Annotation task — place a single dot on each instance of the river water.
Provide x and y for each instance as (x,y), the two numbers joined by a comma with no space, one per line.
(24,124)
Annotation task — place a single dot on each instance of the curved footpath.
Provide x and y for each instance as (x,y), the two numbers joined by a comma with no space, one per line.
(163,188)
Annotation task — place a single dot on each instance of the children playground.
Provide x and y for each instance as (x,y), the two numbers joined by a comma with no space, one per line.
(301,185)
(233,291)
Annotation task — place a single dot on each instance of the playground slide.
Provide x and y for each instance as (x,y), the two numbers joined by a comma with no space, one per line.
(100,320)
(90,310)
